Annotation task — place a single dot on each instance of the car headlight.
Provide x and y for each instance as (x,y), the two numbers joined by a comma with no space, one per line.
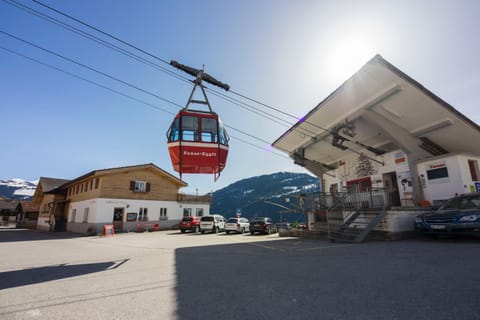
(418,220)
(469,218)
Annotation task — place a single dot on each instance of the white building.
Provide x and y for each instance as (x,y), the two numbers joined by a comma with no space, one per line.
(131,198)
(382,130)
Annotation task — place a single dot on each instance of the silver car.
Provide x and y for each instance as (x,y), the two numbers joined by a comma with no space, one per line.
(214,223)
(239,225)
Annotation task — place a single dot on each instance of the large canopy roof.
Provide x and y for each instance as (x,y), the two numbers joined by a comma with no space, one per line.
(378,109)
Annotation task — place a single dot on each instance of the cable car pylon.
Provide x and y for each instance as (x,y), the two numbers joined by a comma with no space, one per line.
(197,140)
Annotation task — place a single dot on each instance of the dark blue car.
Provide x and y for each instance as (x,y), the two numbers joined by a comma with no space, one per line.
(459,215)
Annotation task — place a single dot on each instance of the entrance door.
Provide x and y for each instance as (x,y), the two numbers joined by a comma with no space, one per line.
(118,219)
(391,185)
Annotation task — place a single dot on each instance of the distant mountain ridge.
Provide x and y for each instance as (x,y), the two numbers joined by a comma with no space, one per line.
(249,195)
(17,189)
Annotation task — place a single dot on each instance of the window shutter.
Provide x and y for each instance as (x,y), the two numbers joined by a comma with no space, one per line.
(147,187)
(132,185)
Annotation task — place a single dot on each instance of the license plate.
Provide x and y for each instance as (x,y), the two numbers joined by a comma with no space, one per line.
(437,227)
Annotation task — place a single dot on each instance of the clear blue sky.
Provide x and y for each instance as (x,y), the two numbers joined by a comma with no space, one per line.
(287,54)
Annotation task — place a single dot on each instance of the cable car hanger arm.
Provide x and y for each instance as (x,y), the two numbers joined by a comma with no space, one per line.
(200,75)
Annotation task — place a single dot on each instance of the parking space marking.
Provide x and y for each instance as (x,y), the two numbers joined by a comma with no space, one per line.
(264,246)
(325,247)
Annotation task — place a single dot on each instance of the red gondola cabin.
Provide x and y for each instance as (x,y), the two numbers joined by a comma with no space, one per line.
(197,143)
(197,140)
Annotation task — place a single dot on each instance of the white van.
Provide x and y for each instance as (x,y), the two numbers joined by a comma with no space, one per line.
(213,223)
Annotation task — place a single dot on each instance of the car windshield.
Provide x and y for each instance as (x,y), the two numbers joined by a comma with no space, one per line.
(187,219)
(465,202)
(232,220)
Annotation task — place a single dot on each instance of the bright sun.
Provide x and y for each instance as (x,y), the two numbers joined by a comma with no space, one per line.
(347,56)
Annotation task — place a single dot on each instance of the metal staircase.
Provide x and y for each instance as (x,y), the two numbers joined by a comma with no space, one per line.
(353,215)
(357,226)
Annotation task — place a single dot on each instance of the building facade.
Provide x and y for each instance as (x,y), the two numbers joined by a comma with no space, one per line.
(382,134)
(131,198)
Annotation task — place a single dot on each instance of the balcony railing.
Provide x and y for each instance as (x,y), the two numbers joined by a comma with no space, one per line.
(194,198)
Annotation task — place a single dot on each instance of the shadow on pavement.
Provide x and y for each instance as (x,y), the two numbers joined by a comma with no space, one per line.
(304,279)
(14,235)
(17,278)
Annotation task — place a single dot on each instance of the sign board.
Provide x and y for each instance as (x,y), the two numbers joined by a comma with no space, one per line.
(108,230)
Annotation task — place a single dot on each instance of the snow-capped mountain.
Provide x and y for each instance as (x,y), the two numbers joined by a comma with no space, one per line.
(18,189)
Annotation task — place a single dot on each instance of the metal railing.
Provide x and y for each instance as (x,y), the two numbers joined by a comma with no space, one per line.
(333,209)
(194,198)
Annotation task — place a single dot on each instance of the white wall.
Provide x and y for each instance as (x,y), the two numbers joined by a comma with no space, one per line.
(101,210)
(459,178)
(392,163)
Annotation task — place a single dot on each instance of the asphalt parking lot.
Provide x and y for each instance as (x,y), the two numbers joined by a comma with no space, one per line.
(169,275)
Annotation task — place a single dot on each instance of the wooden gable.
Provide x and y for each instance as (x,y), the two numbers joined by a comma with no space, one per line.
(119,183)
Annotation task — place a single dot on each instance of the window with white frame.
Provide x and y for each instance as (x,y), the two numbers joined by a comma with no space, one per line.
(187,212)
(85,215)
(143,214)
(140,186)
(74,215)
(163,214)
(199,212)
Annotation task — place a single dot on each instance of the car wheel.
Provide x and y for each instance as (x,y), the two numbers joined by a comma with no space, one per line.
(227,232)
(182,230)
(203,231)
(252,232)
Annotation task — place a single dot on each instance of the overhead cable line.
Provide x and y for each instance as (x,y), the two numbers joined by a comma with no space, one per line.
(102,32)
(86,80)
(132,98)
(94,38)
(91,68)
(337,138)
(70,27)
(112,46)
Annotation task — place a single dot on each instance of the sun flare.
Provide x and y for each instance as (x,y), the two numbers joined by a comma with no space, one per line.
(347,56)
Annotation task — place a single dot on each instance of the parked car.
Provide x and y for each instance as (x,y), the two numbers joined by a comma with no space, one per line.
(213,223)
(262,225)
(239,225)
(283,226)
(459,215)
(190,224)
